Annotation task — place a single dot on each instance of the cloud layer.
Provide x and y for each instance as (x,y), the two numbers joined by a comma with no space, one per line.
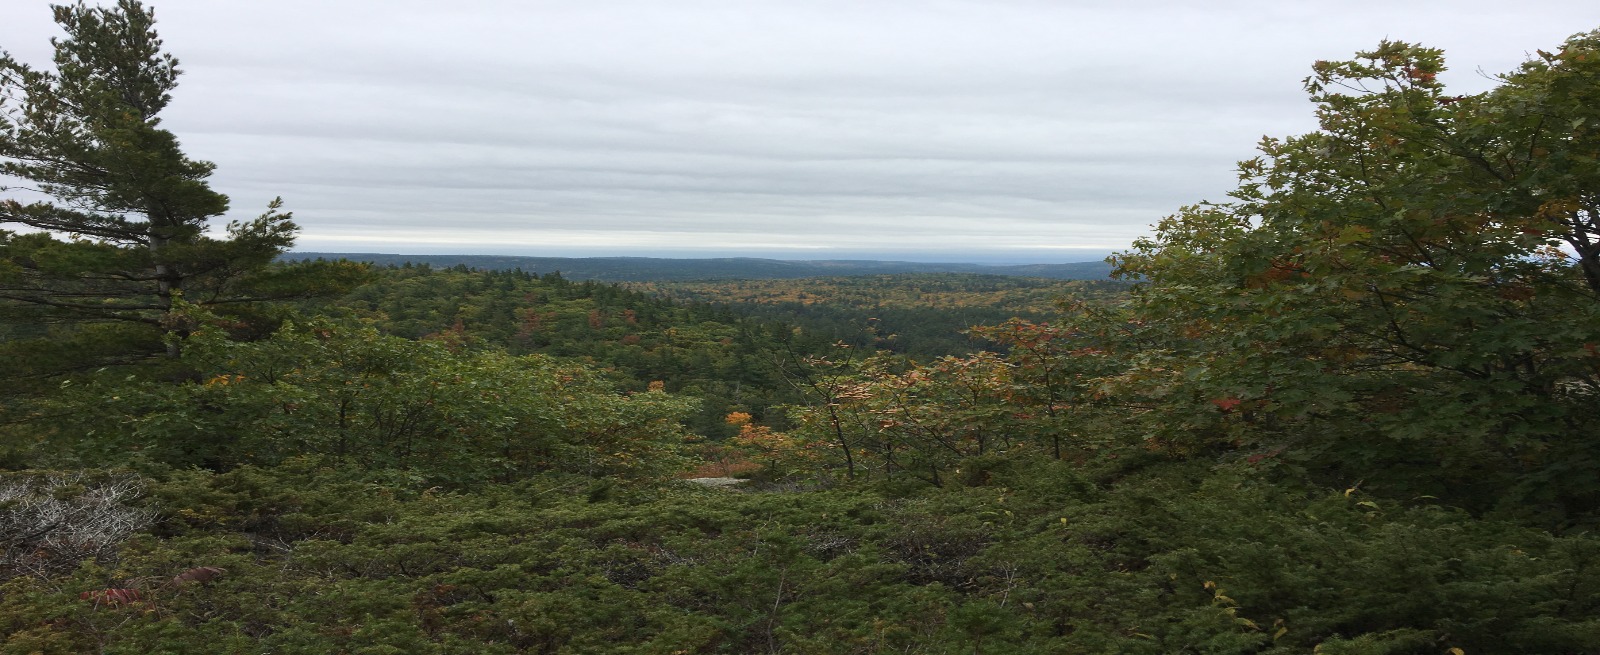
(1021,130)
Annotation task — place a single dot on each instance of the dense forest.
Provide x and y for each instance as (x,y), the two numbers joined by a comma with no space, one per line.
(922,316)
(1352,410)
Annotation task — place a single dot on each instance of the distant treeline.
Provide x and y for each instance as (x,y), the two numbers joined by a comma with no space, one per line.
(653,269)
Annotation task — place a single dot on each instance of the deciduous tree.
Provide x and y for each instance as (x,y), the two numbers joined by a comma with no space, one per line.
(1405,295)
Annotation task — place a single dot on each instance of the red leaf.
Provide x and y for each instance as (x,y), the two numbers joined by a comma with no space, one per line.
(111,596)
(1226,404)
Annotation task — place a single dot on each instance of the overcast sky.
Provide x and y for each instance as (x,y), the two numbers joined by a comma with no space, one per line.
(1003,130)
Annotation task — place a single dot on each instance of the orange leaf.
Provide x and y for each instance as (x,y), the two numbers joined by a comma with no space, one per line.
(1226,404)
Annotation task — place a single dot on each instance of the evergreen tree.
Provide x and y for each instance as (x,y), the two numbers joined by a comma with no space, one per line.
(83,144)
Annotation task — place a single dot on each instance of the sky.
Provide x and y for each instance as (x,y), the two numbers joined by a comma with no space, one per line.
(1001,131)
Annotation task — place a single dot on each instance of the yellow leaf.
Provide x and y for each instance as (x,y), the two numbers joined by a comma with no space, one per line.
(1456,651)
(1281,632)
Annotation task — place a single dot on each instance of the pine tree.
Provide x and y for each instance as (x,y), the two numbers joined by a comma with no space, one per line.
(113,237)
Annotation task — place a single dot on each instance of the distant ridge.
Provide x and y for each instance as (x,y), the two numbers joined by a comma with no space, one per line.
(644,269)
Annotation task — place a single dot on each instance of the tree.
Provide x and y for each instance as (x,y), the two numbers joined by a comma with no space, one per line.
(360,400)
(133,208)
(1406,296)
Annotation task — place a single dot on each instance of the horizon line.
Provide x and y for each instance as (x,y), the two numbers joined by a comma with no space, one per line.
(916,258)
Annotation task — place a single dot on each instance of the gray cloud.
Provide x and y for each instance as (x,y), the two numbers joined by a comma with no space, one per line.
(1045,130)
